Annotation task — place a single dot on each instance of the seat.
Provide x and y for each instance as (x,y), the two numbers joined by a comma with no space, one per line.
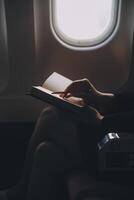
(82,186)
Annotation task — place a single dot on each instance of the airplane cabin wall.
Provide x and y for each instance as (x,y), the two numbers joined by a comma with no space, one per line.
(4,74)
(130,83)
(30,53)
(108,67)
(17,61)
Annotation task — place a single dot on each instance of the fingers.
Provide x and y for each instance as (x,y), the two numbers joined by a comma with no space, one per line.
(76,100)
(70,89)
(79,95)
(78,88)
(75,88)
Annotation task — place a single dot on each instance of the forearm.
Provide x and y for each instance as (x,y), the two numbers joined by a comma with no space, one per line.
(118,122)
(106,103)
(103,102)
(114,103)
(124,101)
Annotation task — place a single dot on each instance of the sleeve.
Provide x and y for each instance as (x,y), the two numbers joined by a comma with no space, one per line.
(122,102)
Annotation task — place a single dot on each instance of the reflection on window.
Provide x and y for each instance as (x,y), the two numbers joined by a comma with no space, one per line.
(83,22)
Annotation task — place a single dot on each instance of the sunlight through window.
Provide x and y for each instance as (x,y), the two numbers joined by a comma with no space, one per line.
(83,22)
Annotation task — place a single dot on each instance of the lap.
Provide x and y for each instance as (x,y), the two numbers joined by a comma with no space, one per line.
(48,171)
(76,138)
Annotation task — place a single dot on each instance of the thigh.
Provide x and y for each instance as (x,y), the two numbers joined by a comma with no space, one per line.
(47,175)
(88,146)
(75,137)
(58,127)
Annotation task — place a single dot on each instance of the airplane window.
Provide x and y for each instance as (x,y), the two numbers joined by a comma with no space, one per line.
(84,24)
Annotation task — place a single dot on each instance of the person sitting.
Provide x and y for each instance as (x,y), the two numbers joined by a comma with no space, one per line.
(63,141)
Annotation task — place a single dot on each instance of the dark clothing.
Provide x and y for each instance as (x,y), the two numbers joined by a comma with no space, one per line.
(120,114)
(66,138)
(64,134)
(122,102)
(75,140)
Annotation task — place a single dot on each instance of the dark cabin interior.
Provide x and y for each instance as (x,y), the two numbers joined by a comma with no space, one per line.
(29,53)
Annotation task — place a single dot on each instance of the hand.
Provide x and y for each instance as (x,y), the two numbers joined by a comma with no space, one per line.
(76,100)
(90,95)
(80,88)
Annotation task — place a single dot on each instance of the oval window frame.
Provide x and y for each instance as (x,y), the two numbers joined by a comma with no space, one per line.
(86,45)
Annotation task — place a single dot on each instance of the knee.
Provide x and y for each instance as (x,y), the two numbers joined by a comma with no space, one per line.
(51,112)
(43,155)
(47,150)
(43,148)
(50,155)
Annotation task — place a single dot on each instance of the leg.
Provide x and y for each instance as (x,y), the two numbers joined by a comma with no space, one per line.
(60,128)
(53,125)
(48,172)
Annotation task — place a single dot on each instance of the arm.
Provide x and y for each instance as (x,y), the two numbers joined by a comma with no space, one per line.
(105,103)
(114,103)
(90,95)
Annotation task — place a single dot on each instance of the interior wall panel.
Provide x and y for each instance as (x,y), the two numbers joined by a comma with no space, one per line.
(17,66)
(4,70)
(21,48)
(130,10)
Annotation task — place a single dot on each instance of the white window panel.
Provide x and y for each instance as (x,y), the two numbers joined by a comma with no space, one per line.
(83,23)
